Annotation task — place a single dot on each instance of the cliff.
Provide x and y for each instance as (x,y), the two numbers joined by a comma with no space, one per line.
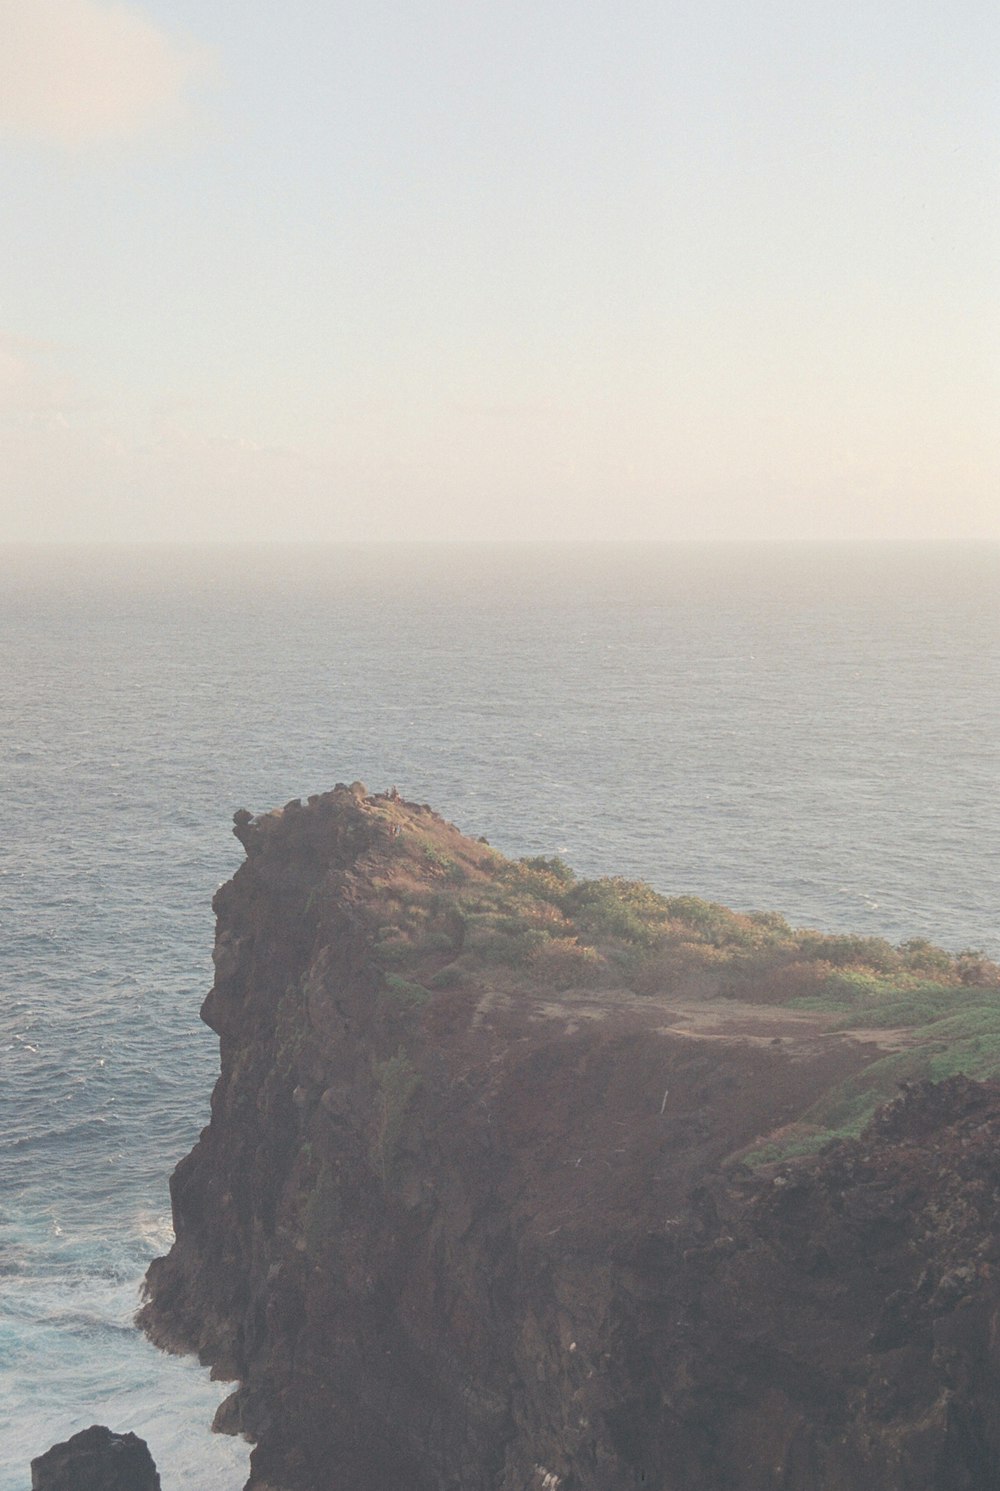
(472,1212)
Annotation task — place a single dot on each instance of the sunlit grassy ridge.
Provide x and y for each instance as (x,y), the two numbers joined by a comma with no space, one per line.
(458,913)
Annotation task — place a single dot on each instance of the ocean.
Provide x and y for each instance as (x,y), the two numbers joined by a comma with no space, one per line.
(814,730)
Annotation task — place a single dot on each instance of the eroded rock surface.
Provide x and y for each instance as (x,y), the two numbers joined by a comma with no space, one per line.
(96,1459)
(460,1223)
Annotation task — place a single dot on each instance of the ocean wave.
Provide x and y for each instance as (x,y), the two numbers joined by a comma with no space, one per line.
(63,1135)
(606,712)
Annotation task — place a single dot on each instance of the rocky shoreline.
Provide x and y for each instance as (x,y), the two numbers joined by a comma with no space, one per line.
(472,1212)
(96,1459)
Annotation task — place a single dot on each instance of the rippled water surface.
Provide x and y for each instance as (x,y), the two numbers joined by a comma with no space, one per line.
(809,730)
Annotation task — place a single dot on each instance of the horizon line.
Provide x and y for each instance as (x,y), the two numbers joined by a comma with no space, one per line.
(134,544)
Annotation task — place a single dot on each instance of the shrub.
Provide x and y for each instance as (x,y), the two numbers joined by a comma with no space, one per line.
(974,967)
(851,952)
(396,1081)
(447,977)
(394,950)
(693,966)
(515,947)
(772,923)
(562,962)
(436,942)
(849,987)
(555,868)
(402,992)
(923,957)
(541,879)
(769,978)
(716,924)
(612,909)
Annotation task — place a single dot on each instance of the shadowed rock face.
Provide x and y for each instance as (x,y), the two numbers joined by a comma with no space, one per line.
(456,1228)
(96,1460)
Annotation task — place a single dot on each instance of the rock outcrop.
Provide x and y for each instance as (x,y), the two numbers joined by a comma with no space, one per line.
(96,1459)
(470,1215)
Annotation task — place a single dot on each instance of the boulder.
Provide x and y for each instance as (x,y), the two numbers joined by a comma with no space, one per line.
(96,1459)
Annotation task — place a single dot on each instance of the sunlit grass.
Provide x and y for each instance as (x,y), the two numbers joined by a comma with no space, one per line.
(457,914)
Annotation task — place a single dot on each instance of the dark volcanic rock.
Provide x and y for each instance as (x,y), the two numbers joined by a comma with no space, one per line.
(451,1232)
(96,1460)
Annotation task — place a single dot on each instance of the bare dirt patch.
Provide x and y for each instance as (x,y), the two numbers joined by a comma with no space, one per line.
(697,1019)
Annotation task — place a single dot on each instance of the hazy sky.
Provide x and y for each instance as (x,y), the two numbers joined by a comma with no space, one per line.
(415,268)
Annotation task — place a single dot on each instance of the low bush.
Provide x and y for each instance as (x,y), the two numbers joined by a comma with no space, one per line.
(402,992)
(447,977)
(554,868)
(851,952)
(562,962)
(396,1082)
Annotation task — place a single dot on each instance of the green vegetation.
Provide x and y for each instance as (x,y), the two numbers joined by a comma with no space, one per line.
(447,977)
(443,862)
(555,867)
(843,1111)
(456,915)
(396,1082)
(402,992)
(479,911)
(947,1030)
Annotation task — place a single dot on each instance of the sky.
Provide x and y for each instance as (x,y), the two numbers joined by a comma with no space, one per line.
(671,269)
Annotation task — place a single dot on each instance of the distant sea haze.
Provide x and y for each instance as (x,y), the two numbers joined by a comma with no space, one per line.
(812,730)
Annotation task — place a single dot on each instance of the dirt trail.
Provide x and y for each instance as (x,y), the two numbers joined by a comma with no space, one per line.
(706,1018)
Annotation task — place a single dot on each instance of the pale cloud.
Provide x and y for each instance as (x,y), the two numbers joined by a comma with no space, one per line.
(29,388)
(77,72)
(72,467)
(75,465)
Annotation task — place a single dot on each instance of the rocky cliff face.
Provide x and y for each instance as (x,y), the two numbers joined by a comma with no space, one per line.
(96,1459)
(470,1216)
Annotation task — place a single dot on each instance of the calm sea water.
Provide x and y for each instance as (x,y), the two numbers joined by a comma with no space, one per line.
(810,730)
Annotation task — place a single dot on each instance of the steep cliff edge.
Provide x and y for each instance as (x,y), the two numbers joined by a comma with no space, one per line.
(470,1213)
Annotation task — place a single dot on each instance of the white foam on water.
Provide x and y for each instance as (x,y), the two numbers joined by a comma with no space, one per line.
(812,732)
(71,1356)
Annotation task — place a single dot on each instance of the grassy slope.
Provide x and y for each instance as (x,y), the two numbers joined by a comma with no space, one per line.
(456,912)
